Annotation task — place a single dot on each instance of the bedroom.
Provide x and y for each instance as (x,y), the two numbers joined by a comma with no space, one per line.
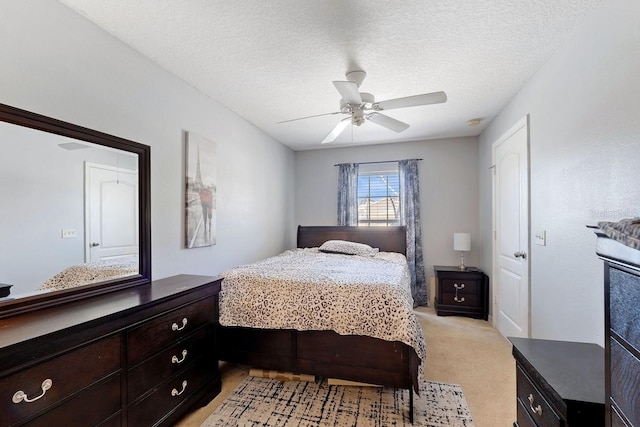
(583,106)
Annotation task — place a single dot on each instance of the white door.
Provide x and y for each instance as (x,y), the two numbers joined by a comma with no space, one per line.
(111,212)
(511,219)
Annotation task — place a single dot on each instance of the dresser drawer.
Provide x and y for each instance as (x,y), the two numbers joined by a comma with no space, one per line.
(624,295)
(170,394)
(146,339)
(463,286)
(169,362)
(533,401)
(88,408)
(625,381)
(67,374)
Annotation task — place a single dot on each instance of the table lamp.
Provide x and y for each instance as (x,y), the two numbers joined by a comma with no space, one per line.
(462,243)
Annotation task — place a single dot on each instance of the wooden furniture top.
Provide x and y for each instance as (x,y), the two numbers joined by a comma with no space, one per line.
(387,239)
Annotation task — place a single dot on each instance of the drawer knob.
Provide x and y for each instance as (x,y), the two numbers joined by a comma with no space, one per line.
(460,286)
(20,395)
(537,409)
(174,358)
(458,299)
(176,327)
(175,392)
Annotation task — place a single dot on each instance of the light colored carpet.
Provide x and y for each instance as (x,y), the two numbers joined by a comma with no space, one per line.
(268,402)
(460,350)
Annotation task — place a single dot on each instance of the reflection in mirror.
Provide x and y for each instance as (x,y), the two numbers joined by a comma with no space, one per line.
(71,213)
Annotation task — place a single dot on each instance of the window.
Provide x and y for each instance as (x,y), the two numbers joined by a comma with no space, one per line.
(379,194)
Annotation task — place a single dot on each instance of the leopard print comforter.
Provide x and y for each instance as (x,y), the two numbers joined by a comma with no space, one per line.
(305,289)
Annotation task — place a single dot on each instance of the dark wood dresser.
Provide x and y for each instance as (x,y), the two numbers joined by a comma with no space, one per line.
(559,383)
(622,331)
(461,292)
(142,356)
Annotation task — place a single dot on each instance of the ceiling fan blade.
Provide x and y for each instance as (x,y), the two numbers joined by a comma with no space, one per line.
(349,92)
(412,101)
(340,127)
(387,122)
(309,117)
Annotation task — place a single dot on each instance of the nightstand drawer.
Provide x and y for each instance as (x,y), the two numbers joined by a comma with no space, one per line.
(462,300)
(155,334)
(534,403)
(462,286)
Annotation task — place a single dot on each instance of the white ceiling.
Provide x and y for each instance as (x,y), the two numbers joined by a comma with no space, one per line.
(274,60)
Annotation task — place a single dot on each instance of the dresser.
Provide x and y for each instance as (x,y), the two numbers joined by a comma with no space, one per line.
(622,331)
(559,383)
(142,356)
(461,292)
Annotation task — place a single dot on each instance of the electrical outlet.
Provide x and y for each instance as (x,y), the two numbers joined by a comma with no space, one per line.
(69,233)
(541,238)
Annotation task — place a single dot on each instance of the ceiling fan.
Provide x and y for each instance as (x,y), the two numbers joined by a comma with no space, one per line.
(361,106)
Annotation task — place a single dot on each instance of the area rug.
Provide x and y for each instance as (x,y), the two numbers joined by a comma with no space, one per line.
(267,402)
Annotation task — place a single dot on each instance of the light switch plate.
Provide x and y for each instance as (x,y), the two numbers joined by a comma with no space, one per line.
(541,238)
(69,233)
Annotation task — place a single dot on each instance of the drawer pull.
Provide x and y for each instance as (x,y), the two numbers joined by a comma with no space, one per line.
(456,299)
(537,409)
(20,395)
(175,327)
(460,286)
(175,392)
(174,358)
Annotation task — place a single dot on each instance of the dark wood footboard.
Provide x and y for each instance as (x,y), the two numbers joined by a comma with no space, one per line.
(322,353)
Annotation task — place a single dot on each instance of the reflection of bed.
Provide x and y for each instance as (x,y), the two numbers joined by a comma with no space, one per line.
(357,325)
(92,272)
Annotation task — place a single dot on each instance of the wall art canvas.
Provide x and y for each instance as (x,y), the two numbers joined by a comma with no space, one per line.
(200,191)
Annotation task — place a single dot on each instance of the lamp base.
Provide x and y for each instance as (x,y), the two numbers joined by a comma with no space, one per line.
(462,267)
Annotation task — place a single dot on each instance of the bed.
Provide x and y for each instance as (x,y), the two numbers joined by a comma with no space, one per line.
(367,356)
(92,272)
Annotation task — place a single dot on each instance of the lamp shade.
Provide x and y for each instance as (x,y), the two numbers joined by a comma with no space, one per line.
(461,241)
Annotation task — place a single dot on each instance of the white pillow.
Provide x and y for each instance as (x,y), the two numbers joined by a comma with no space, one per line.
(347,248)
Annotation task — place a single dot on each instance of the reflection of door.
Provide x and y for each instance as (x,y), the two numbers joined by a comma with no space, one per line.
(511,219)
(111,212)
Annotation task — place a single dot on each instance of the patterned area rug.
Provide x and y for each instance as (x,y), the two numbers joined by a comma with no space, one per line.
(266,402)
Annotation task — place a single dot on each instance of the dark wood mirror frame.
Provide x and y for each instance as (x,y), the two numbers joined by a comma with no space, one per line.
(35,121)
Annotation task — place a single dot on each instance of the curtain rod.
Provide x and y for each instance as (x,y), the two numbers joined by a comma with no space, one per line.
(381,161)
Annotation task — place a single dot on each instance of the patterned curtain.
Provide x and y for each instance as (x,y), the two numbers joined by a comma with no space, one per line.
(410,199)
(347,194)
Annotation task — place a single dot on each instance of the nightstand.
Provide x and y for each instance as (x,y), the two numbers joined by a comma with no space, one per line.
(559,383)
(461,292)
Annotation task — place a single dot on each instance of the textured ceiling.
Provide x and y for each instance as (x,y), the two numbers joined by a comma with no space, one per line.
(275,60)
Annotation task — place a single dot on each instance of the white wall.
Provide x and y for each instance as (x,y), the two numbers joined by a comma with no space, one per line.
(584,107)
(448,190)
(56,63)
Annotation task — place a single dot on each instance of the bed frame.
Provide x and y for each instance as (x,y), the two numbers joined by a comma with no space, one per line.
(326,353)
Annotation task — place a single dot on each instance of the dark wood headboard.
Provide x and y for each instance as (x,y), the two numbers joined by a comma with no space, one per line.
(387,239)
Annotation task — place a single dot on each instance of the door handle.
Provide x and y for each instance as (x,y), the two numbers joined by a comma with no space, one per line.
(520,254)
(94,244)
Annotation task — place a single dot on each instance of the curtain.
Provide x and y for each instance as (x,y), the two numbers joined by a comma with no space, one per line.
(410,199)
(347,194)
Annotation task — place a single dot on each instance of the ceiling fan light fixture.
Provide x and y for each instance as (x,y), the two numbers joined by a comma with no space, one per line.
(356,76)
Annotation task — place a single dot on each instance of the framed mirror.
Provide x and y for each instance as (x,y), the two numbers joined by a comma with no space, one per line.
(76,212)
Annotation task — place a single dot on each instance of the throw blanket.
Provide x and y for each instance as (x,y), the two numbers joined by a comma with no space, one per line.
(625,231)
(305,289)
